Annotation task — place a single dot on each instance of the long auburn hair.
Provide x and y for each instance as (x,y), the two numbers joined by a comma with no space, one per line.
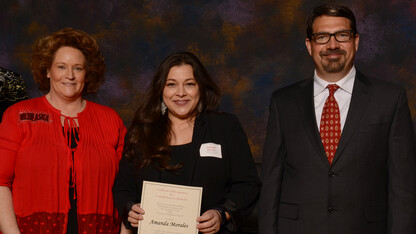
(147,140)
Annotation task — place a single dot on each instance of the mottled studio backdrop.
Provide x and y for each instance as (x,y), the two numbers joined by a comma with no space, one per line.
(250,47)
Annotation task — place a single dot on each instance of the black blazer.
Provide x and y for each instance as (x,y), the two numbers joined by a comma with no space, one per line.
(231,182)
(370,188)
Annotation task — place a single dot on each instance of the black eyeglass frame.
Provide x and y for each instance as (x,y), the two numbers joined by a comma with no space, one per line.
(313,36)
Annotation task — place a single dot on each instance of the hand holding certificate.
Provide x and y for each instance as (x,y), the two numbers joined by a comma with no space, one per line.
(170,209)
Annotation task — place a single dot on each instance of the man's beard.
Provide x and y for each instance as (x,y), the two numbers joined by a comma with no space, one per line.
(333,65)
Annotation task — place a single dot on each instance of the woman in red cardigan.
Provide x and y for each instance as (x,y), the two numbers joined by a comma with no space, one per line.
(59,153)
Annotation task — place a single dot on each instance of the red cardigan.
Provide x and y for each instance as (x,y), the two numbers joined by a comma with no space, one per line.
(36,161)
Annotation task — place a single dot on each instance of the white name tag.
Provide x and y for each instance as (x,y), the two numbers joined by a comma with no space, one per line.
(210,150)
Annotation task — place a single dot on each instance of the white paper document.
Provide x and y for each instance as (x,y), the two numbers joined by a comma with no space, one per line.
(169,208)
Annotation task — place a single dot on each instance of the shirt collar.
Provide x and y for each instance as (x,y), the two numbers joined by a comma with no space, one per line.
(346,83)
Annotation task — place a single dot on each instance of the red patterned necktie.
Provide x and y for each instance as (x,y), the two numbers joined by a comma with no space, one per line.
(330,129)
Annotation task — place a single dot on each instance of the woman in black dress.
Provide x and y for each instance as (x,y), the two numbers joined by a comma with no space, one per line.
(167,140)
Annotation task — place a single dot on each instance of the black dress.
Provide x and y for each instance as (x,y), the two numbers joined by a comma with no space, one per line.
(72,227)
(180,154)
(218,159)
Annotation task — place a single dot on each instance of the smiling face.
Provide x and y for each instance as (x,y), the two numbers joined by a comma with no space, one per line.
(334,59)
(181,92)
(67,74)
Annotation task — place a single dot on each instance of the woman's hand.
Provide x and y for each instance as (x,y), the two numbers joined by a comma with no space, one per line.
(135,214)
(209,222)
(8,223)
(124,230)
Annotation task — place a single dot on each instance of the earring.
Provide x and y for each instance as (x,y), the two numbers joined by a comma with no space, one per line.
(163,107)
(199,107)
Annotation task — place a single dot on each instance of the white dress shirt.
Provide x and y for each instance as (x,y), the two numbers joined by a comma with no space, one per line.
(342,95)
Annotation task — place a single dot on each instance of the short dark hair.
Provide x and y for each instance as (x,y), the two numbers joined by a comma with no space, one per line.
(330,10)
(44,51)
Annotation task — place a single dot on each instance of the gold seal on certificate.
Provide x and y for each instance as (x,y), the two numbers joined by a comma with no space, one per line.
(169,208)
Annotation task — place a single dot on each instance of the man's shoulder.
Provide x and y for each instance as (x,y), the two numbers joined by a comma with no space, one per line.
(292,89)
(378,85)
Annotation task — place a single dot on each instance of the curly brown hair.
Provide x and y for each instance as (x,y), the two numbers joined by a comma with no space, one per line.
(44,51)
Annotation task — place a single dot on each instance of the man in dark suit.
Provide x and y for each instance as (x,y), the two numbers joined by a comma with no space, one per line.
(340,150)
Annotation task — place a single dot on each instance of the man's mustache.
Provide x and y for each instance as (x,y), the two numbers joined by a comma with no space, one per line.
(335,51)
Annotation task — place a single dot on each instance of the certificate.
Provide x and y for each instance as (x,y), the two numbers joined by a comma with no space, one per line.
(169,208)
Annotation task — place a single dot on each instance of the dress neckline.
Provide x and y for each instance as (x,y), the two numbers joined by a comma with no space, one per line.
(45,100)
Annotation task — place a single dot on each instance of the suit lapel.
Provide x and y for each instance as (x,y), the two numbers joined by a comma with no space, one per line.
(200,130)
(307,108)
(358,105)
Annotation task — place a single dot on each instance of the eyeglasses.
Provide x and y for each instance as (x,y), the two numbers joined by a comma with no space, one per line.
(340,36)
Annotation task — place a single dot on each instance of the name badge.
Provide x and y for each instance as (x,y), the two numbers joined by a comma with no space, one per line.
(210,150)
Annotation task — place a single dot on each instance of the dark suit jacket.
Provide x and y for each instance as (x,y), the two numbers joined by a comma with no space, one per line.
(231,182)
(371,185)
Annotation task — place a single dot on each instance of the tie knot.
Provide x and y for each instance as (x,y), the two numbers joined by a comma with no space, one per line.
(332,88)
